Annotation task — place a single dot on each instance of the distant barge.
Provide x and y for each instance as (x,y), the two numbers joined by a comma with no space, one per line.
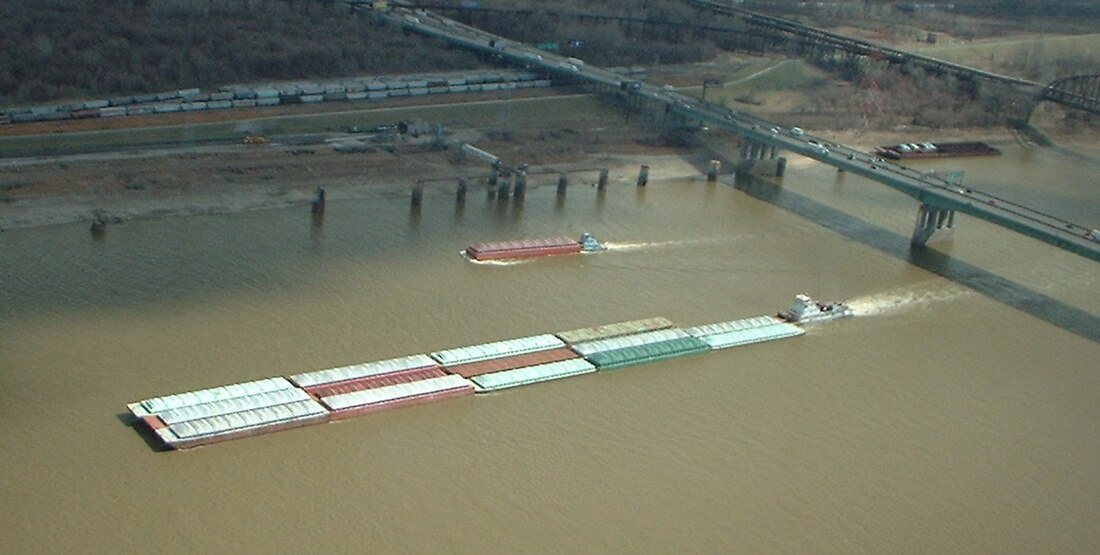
(218,414)
(528,248)
(936,150)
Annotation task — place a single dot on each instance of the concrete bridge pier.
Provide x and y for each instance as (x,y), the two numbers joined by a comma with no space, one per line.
(504,187)
(417,194)
(494,175)
(460,192)
(601,184)
(712,171)
(520,187)
(317,205)
(931,219)
(563,183)
(760,159)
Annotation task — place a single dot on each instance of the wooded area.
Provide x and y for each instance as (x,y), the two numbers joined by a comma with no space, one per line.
(94,48)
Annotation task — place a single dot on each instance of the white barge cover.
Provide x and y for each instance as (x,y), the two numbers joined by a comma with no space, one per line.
(744,332)
(532,374)
(381,395)
(734,325)
(357,371)
(161,404)
(237,422)
(486,351)
(611,344)
(229,406)
(614,330)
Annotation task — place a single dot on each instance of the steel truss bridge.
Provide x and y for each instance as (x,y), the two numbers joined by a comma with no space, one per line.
(1081,92)
(764,32)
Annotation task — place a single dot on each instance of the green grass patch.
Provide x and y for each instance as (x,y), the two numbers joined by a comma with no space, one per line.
(787,75)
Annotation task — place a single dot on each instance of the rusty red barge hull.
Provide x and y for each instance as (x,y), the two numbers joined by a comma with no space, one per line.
(523,248)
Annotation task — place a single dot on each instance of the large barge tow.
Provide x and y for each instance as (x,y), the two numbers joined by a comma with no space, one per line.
(218,414)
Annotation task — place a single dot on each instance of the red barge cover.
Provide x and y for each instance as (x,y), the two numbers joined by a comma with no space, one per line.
(415,374)
(523,248)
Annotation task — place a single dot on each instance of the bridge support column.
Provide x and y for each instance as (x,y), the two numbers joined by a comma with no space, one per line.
(931,219)
(460,193)
(318,204)
(643,176)
(563,182)
(520,188)
(417,194)
(494,175)
(760,159)
(504,188)
(601,184)
(712,171)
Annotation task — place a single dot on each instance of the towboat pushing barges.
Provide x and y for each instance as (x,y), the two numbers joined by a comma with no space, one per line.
(527,248)
(217,414)
(807,311)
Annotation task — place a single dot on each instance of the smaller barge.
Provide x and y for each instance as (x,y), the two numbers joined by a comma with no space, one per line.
(807,311)
(936,150)
(527,248)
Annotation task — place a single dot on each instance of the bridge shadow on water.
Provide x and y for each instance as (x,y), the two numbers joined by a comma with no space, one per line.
(1053,311)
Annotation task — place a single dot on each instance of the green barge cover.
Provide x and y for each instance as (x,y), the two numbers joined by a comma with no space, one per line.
(651,352)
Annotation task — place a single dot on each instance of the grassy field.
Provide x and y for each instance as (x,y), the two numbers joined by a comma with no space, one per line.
(1039,51)
(758,85)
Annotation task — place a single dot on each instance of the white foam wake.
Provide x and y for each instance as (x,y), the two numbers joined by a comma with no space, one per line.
(646,245)
(504,262)
(907,299)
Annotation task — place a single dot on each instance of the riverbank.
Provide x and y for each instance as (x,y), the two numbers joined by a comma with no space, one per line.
(224,179)
(233,179)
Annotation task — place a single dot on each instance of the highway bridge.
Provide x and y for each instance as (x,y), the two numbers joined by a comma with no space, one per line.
(939,199)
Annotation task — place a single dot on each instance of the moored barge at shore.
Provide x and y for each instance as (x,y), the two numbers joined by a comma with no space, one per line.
(936,150)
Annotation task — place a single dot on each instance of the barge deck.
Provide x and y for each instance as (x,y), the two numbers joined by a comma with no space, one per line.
(936,150)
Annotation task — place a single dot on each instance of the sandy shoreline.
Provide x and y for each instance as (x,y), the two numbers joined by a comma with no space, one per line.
(231,178)
(122,205)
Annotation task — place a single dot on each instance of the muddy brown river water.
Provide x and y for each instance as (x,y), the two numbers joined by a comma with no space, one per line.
(956,413)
